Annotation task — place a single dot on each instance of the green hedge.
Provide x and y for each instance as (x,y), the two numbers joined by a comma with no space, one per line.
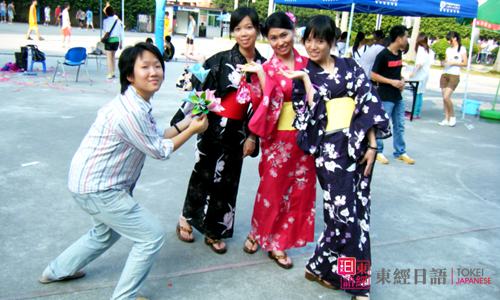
(440,46)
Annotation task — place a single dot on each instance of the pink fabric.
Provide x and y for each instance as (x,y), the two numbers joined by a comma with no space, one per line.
(278,89)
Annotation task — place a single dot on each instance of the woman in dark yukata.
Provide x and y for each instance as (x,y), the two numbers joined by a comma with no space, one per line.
(211,196)
(339,117)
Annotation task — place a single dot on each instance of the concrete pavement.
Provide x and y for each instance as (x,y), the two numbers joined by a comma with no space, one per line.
(441,213)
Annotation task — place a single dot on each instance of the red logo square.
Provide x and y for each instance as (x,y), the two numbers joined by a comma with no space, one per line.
(346,266)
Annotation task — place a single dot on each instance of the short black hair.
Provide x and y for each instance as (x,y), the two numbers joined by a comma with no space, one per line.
(149,40)
(109,11)
(128,58)
(242,12)
(277,20)
(320,27)
(397,31)
(168,38)
(378,35)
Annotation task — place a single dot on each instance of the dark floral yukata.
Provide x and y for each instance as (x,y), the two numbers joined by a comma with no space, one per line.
(211,196)
(346,191)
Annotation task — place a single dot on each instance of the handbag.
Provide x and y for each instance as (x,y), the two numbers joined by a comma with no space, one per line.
(106,35)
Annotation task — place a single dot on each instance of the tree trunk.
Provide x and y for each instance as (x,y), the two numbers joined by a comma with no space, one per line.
(413,41)
(344,21)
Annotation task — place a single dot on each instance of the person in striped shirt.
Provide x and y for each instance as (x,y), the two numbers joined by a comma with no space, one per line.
(106,167)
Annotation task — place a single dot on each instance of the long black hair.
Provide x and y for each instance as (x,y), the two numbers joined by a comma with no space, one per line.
(277,20)
(242,12)
(320,27)
(128,58)
(454,34)
(359,37)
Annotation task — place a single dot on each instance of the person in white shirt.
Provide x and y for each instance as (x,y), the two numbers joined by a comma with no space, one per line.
(114,26)
(46,12)
(423,62)
(106,168)
(359,47)
(368,57)
(341,43)
(456,57)
(66,26)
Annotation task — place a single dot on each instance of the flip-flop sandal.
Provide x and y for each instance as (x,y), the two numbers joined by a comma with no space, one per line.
(250,250)
(210,242)
(277,258)
(180,228)
(323,283)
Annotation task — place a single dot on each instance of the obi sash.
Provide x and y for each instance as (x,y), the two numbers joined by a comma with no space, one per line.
(287,115)
(339,112)
(232,109)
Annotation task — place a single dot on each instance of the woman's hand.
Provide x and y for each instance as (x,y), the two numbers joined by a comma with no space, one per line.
(294,74)
(251,67)
(249,145)
(369,159)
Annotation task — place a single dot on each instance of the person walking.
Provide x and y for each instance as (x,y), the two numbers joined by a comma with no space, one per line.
(456,57)
(106,167)
(386,72)
(66,26)
(283,214)
(33,22)
(338,118)
(210,201)
(114,27)
(423,62)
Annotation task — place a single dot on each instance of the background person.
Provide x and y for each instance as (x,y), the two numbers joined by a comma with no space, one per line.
(114,26)
(90,19)
(33,22)
(423,62)
(386,72)
(66,26)
(456,57)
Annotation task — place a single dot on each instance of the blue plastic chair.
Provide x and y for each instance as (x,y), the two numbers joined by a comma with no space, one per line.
(75,57)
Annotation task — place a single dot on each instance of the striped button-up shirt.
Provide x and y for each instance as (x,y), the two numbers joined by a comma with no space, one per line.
(113,152)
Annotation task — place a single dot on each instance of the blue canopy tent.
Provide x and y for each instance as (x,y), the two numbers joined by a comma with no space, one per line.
(421,8)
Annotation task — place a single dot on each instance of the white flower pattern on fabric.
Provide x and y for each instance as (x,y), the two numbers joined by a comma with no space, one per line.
(228,219)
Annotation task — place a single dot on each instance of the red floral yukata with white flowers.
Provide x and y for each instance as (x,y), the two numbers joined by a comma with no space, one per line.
(283,215)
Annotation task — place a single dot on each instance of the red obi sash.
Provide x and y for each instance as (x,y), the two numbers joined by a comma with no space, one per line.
(232,109)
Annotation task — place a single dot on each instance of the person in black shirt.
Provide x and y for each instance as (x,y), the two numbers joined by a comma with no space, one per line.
(386,72)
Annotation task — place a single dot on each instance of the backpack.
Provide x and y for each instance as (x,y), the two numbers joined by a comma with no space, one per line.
(36,54)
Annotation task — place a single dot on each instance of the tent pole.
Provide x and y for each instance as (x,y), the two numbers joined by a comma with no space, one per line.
(469,60)
(100,18)
(351,16)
